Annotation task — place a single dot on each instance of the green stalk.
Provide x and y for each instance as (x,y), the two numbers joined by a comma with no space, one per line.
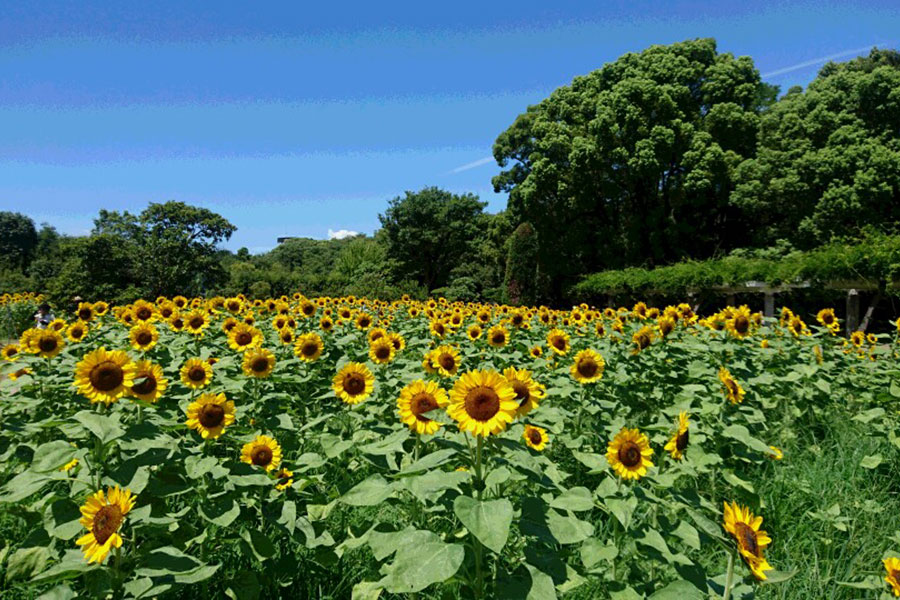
(479,490)
(729,578)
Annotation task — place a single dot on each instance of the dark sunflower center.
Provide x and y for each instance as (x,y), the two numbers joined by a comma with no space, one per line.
(742,324)
(77,332)
(747,538)
(178,323)
(439,329)
(517,320)
(243,338)
(643,341)
(259,364)
(309,349)
(197,373)
(196,322)
(211,415)
(498,338)
(147,386)
(166,312)
(482,403)
(234,306)
(665,327)
(48,344)
(287,336)
(261,456)
(85,314)
(587,367)
(732,386)
(143,313)
(12,352)
(422,403)
(107,376)
(144,338)
(364,322)
(630,455)
(447,362)
(522,391)
(354,384)
(308,309)
(382,352)
(681,442)
(559,343)
(106,522)
(828,318)
(535,436)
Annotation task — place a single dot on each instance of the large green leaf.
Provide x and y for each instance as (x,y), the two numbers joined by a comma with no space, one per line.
(487,520)
(369,492)
(105,427)
(416,566)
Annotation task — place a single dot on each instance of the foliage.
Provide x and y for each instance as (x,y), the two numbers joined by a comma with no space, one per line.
(828,161)
(521,266)
(18,240)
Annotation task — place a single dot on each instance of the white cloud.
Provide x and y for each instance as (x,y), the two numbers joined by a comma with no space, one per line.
(815,61)
(472,165)
(341,234)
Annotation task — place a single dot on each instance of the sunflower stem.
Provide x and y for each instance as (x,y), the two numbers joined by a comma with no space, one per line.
(729,577)
(479,490)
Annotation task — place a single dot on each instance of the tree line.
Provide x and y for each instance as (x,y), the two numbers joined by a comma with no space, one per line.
(676,152)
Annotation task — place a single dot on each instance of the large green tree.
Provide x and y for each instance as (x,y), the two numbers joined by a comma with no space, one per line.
(633,163)
(828,161)
(429,232)
(18,240)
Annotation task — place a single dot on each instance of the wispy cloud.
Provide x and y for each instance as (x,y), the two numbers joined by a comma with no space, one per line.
(474,164)
(341,234)
(816,61)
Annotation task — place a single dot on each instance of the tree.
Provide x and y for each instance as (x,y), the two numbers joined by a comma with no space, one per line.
(427,233)
(521,266)
(174,245)
(829,158)
(632,163)
(18,240)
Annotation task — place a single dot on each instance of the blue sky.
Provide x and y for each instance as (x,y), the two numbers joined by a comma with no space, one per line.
(300,118)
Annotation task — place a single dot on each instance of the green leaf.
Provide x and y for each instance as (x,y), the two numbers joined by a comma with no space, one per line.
(369,492)
(678,590)
(871,462)
(568,529)
(171,562)
(72,565)
(260,544)
(220,511)
(773,576)
(25,561)
(366,590)
(574,499)
(52,456)
(61,592)
(416,566)
(243,586)
(595,462)
(741,434)
(105,427)
(429,461)
(430,486)
(487,520)
(593,552)
(622,510)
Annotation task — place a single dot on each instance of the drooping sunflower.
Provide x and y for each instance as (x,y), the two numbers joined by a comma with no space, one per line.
(776,454)
(751,540)
(262,452)
(529,392)
(243,337)
(284,479)
(828,320)
(733,390)
(210,414)
(536,438)
(558,341)
(497,336)
(588,366)
(797,327)
(642,338)
(196,373)
(382,351)
(482,402)
(77,331)
(149,382)
(892,567)
(665,325)
(445,360)
(857,338)
(103,376)
(417,399)
(629,454)
(10,352)
(102,515)
(258,362)
(20,373)
(680,439)
(143,336)
(353,383)
(308,347)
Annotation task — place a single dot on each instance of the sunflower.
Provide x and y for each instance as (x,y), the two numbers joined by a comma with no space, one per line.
(262,452)
(558,341)
(76,331)
(629,454)
(176,322)
(474,332)
(286,336)
(751,540)
(143,311)
(857,338)
(69,466)
(642,338)
(196,321)
(497,336)
(85,312)
(382,351)
(588,366)
(828,320)
(149,383)
(326,324)
(797,327)
(20,373)
(103,376)
(308,347)
(482,402)
(143,336)
(258,362)
(102,515)
(363,321)
(680,439)
(776,454)
(284,478)
(536,352)
(535,437)
(733,390)
(528,391)
(10,352)
(47,343)
(740,323)
(892,566)
(210,414)
(100,308)
(353,383)
(374,333)
(234,305)
(445,360)
(665,325)
(196,373)
(438,328)
(243,337)
(418,398)
(397,340)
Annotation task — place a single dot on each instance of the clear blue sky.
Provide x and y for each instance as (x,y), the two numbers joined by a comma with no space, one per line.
(303,117)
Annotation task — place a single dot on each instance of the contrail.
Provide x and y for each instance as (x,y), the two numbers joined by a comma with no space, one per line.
(816,61)
(472,165)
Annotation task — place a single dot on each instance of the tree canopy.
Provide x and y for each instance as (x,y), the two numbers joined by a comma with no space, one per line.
(18,240)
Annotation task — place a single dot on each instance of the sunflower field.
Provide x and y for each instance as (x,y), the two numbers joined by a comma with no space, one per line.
(353,448)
